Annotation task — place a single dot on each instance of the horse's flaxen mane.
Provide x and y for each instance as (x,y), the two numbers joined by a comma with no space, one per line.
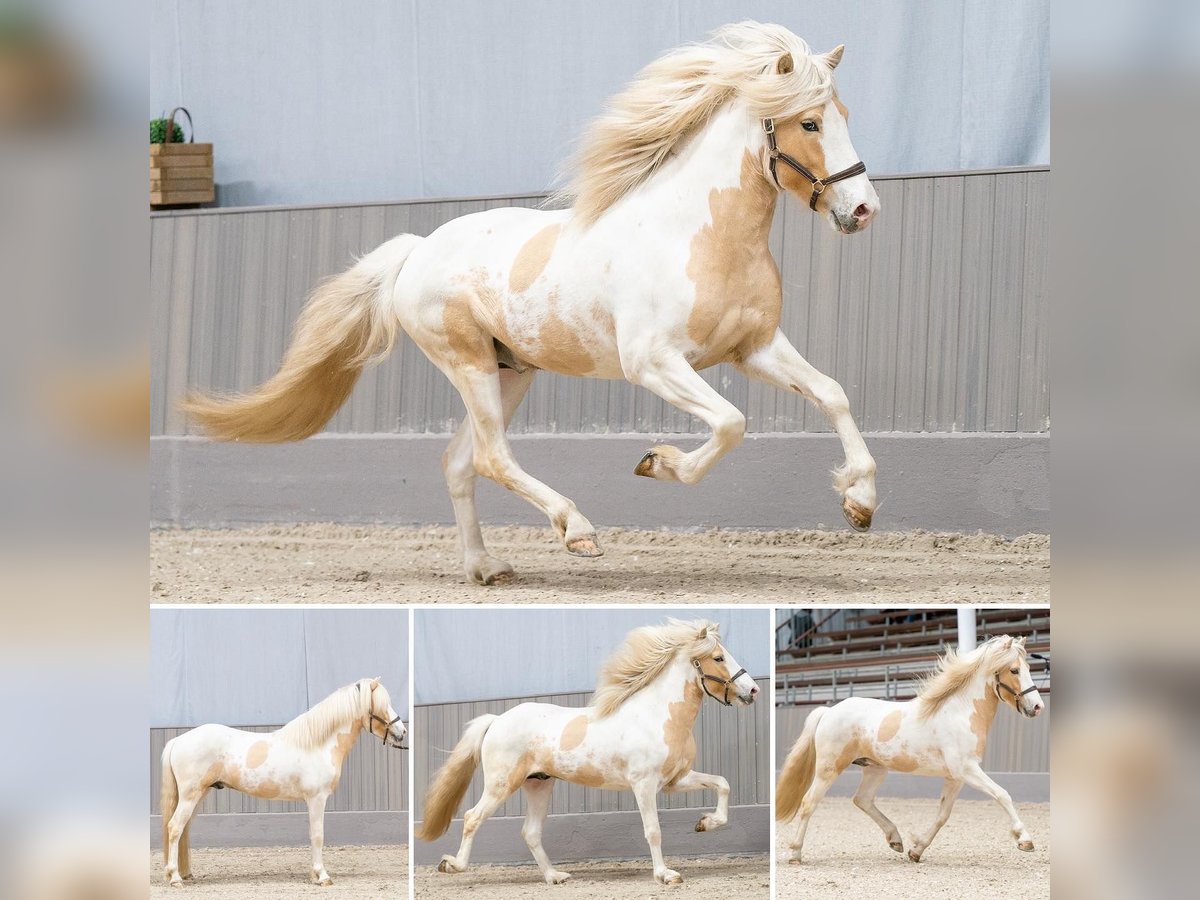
(677,94)
(645,654)
(954,672)
(345,705)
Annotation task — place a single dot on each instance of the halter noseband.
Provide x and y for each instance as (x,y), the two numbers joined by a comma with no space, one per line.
(726,683)
(1016,695)
(818,184)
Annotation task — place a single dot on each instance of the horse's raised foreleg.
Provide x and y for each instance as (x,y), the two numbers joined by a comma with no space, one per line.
(316,837)
(821,781)
(672,378)
(493,458)
(780,364)
(949,794)
(699,781)
(537,804)
(978,779)
(645,793)
(459,465)
(864,799)
(493,796)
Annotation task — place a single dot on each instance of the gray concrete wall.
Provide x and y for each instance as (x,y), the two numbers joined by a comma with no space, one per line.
(946,482)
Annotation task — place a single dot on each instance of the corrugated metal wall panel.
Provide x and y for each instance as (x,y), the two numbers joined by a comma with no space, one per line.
(934,320)
(1014,744)
(374,777)
(730,742)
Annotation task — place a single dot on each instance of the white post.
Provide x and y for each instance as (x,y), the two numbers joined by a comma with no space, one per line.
(966,630)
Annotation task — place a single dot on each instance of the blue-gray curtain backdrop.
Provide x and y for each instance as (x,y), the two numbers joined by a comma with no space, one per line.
(309,101)
(266,666)
(489,654)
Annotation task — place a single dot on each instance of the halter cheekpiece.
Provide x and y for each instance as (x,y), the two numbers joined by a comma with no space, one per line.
(818,184)
(726,683)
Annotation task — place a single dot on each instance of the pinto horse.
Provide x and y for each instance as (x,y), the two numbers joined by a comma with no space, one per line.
(636,734)
(301,761)
(659,268)
(941,732)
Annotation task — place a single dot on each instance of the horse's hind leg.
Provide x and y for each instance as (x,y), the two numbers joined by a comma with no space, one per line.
(316,837)
(177,852)
(493,795)
(864,799)
(822,780)
(537,804)
(950,791)
(672,378)
(459,466)
(493,458)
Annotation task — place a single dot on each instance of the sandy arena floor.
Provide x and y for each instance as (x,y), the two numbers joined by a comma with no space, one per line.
(376,564)
(972,856)
(247,873)
(728,878)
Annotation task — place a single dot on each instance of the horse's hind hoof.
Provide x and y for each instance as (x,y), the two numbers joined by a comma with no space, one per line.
(914,855)
(1027,846)
(898,846)
(857,516)
(585,546)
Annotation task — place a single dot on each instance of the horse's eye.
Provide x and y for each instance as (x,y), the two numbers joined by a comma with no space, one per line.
(1015,671)
(810,125)
(718,659)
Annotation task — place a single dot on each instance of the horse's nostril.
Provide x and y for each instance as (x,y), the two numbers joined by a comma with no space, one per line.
(862,212)
(753,691)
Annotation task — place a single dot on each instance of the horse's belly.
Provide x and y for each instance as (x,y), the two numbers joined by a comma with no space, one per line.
(555,338)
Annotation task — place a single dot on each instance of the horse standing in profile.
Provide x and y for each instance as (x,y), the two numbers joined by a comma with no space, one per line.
(943,731)
(301,761)
(658,269)
(636,734)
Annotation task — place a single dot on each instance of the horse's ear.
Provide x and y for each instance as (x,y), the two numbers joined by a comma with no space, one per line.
(785,65)
(702,633)
(375,682)
(834,56)
(1006,642)
(1021,640)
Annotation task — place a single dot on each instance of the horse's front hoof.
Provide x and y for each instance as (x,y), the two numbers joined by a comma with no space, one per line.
(898,846)
(556,877)
(670,876)
(857,516)
(914,855)
(661,463)
(585,546)
(1027,846)
(449,866)
(490,571)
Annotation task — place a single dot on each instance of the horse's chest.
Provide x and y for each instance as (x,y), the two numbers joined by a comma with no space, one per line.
(735,309)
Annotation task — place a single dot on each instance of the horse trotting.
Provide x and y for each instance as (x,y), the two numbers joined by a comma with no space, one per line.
(941,732)
(636,734)
(660,268)
(300,761)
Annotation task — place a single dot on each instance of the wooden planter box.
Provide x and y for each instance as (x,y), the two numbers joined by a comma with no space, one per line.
(181,174)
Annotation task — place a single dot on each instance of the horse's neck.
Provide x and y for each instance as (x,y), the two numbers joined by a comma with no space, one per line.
(980,700)
(663,696)
(721,163)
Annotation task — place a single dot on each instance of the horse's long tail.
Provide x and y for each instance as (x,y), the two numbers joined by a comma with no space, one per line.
(453,779)
(168,798)
(346,324)
(798,769)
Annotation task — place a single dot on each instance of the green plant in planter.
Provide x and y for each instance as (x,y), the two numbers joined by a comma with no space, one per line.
(158,132)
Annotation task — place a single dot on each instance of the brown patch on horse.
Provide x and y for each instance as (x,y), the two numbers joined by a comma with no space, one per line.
(532,259)
(889,726)
(738,290)
(805,147)
(572,736)
(469,344)
(903,762)
(257,754)
(588,775)
(561,349)
(677,733)
(981,720)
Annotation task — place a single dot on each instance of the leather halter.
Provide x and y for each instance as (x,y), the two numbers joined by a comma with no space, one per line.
(726,683)
(818,184)
(1016,695)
